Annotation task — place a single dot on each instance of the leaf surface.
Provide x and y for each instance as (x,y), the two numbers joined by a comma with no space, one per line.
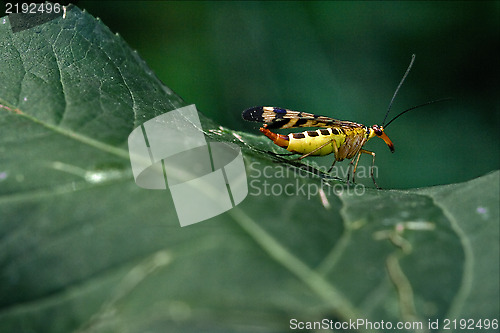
(81,244)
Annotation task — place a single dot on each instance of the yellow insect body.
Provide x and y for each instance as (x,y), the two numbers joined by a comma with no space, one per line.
(343,142)
(344,139)
(311,140)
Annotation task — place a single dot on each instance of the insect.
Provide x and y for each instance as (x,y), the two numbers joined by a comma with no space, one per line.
(345,139)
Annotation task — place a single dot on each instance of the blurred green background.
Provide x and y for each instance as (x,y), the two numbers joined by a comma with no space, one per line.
(339,59)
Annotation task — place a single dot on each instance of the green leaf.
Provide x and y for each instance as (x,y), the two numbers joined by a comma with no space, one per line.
(84,249)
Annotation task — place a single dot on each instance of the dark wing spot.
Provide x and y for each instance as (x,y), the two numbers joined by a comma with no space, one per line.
(312,133)
(298,135)
(335,131)
(278,123)
(324,132)
(253,114)
(301,122)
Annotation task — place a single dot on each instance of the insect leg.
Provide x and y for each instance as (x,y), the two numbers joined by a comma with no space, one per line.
(349,172)
(331,168)
(336,153)
(316,149)
(355,167)
(373,164)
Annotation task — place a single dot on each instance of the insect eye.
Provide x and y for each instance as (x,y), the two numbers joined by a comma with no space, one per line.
(377,130)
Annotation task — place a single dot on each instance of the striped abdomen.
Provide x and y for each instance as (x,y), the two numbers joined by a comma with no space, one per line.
(343,142)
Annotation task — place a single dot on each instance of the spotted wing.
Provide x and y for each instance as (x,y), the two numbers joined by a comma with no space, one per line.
(284,118)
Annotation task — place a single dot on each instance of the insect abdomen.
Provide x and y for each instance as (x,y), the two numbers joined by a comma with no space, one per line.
(279,139)
(306,142)
(321,142)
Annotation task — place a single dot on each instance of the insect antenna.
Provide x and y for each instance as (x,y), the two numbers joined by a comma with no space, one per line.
(397,89)
(416,107)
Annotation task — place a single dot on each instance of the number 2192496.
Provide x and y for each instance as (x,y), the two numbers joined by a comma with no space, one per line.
(470,324)
(32,8)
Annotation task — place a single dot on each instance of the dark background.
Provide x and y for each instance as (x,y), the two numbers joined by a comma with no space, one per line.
(339,59)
